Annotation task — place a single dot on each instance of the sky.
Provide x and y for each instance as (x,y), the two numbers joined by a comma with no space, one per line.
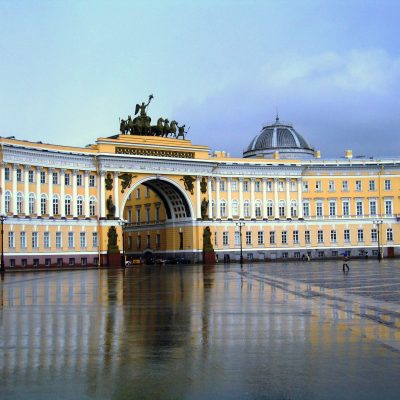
(70,69)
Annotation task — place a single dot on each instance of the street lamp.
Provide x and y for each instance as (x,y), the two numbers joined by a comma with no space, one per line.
(123,225)
(378,223)
(240,224)
(3,217)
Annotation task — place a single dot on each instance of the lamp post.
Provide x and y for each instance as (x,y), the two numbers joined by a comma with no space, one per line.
(3,217)
(378,223)
(240,224)
(123,225)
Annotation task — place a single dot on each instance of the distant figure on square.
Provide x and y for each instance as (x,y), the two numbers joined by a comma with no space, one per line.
(345,263)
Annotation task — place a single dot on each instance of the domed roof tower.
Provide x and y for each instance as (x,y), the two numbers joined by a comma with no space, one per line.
(279,137)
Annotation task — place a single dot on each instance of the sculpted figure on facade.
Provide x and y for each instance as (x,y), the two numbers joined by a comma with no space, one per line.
(109,182)
(110,208)
(204,209)
(112,239)
(203,185)
(188,182)
(207,245)
(126,181)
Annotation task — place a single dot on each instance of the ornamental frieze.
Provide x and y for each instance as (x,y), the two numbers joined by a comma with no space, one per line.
(154,153)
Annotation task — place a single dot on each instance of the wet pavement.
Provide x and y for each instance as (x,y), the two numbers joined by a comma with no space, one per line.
(266,331)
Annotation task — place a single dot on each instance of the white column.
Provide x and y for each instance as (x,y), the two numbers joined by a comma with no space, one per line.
(209,198)
(38,209)
(74,194)
(264,198)
(276,203)
(26,189)
(198,198)
(217,199)
(288,198)
(102,195)
(87,211)
(62,193)
(229,189)
(50,183)
(116,195)
(241,215)
(299,198)
(3,188)
(14,190)
(252,199)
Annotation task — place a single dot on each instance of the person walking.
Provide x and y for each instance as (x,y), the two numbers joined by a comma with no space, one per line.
(345,263)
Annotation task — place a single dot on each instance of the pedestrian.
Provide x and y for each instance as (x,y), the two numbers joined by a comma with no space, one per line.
(345,264)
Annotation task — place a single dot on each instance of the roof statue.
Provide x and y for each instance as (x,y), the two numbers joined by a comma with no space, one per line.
(141,124)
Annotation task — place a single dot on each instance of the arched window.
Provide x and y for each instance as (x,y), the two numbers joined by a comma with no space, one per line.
(43,204)
(31,203)
(79,206)
(258,208)
(68,205)
(270,206)
(223,208)
(235,209)
(281,208)
(55,204)
(246,208)
(293,208)
(7,201)
(92,206)
(19,203)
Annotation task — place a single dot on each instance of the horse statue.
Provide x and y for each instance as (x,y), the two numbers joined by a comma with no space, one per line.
(123,127)
(166,128)
(158,129)
(172,128)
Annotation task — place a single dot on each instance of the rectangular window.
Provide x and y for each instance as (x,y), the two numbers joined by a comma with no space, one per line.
(332,209)
(389,234)
(58,240)
(42,177)
(71,261)
(359,208)
(320,236)
(92,181)
(222,185)
(284,237)
(295,237)
(11,239)
(331,186)
(31,178)
(285,254)
(147,192)
(46,240)
(345,186)
(319,209)
(82,239)
(70,240)
(306,209)
(269,186)
(372,207)
(234,186)
(138,194)
(360,235)
(245,186)
(318,186)
(35,241)
(55,178)
(147,215)
(358,186)
(67,179)
(388,207)
(19,175)
(307,237)
(22,240)
(257,187)
(374,235)
(272,237)
(138,242)
(248,238)
(237,238)
(158,240)
(346,235)
(94,239)
(293,186)
(305,186)
(260,237)
(225,238)
(281,186)
(138,215)
(346,208)
(372,186)
(7,174)
(388,185)
(333,236)
(79,179)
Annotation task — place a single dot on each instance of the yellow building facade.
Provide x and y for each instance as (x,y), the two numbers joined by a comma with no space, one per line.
(69,206)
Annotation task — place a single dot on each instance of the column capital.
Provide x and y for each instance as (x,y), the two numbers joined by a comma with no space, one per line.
(252,179)
(102,173)
(62,171)
(15,167)
(75,171)
(27,167)
(38,168)
(51,170)
(87,173)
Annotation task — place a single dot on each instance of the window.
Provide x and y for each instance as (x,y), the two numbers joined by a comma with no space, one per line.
(358,186)
(318,186)
(319,209)
(42,177)
(372,207)
(346,208)
(147,192)
(68,205)
(272,237)
(281,186)
(388,185)
(295,237)
(46,240)
(92,207)
(82,239)
(285,254)
(281,208)
(293,208)
(157,214)
(31,178)
(388,207)
(371,186)
(293,186)
(237,238)
(215,239)
(331,186)
(71,261)
(258,208)
(374,235)
(359,208)
(245,186)
(19,175)
(345,186)
(83,261)
(55,178)
(147,214)
(70,240)
(305,186)
(246,208)
(138,194)
(22,240)
(248,238)
(306,209)
(360,235)
(11,239)
(346,235)
(333,236)
(7,174)
(139,242)
(307,237)
(389,234)
(284,237)
(79,179)
(67,179)
(7,201)
(260,237)
(332,209)
(225,238)
(269,208)
(223,208)
(269,186)
(234,186)
(320,254)
(235,211)
(35,241)
(320,236)
(94,239)
(158,240)
(43,204)
(31,203)
(55,205)
(222,185)
(258,186)
(92,181)
(58,240)
(19,203)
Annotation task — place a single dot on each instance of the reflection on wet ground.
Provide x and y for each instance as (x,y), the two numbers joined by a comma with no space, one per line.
(273,331)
